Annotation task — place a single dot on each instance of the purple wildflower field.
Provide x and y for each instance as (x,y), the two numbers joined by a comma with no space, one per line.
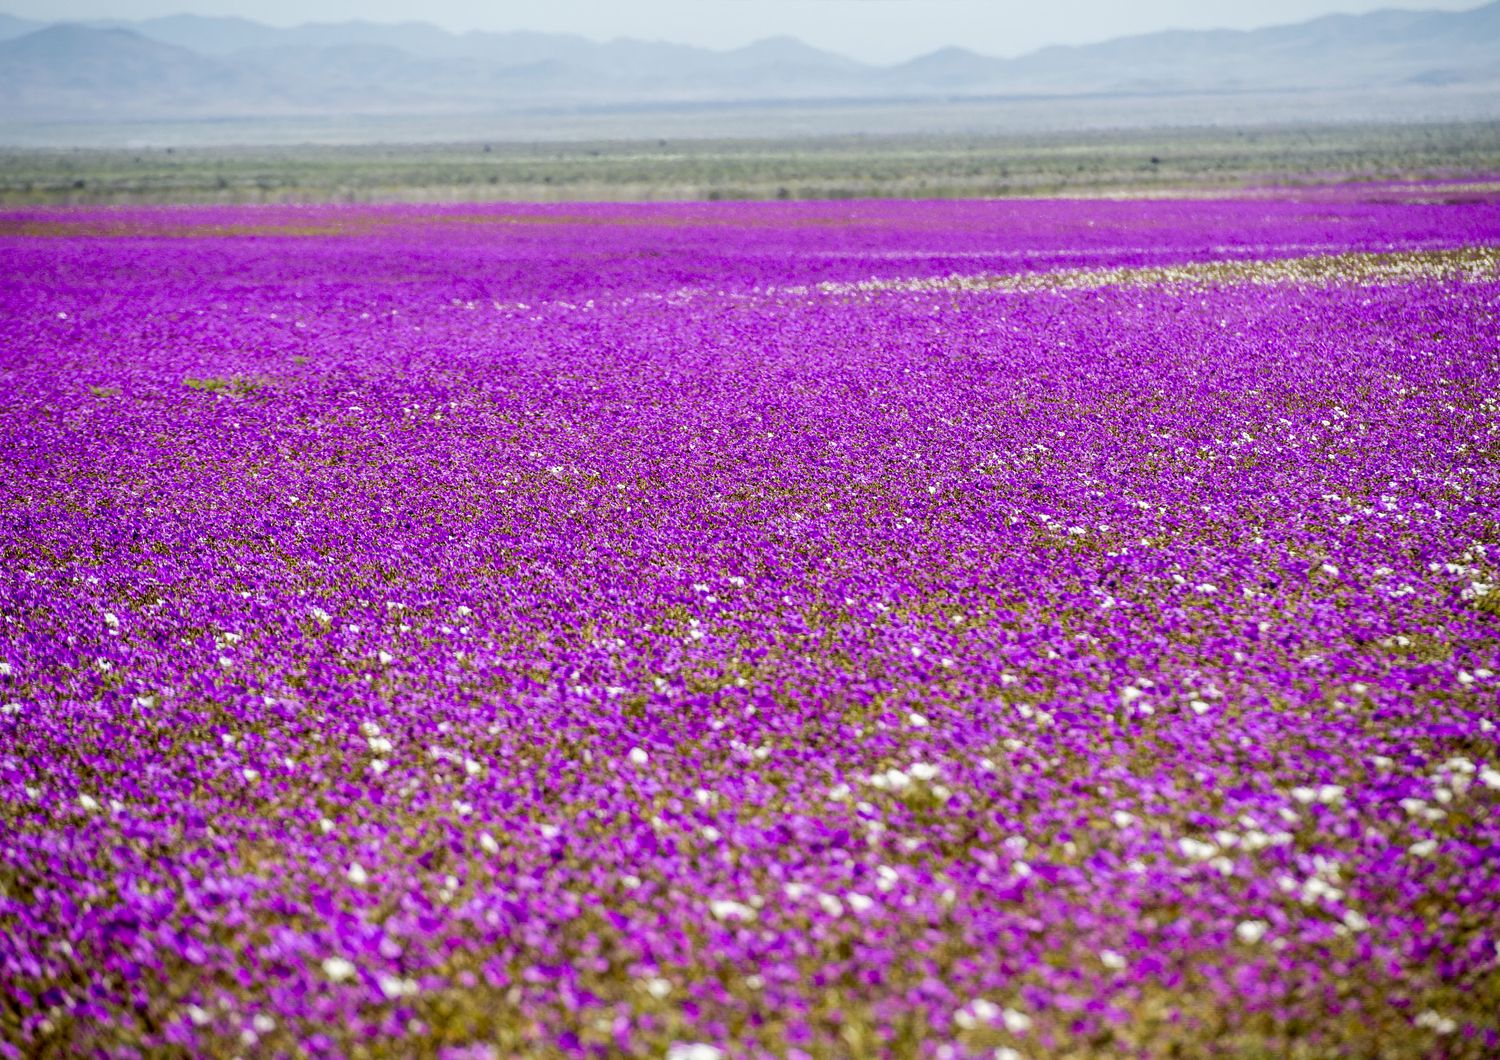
(990,629)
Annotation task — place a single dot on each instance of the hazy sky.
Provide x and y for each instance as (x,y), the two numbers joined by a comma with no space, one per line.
(875,30)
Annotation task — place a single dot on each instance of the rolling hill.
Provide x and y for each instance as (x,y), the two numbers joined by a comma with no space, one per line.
(193,66)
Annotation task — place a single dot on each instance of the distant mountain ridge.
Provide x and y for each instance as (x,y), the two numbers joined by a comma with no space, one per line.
(187,65)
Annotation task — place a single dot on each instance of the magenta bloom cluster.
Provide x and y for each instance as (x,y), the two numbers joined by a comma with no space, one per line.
(801,630)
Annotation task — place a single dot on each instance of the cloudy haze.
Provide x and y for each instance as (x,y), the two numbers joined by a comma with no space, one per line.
(873,30)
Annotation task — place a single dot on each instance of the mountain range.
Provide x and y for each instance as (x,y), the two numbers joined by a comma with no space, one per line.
(188,66)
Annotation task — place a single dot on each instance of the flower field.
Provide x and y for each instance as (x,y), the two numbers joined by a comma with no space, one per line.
(1032,629)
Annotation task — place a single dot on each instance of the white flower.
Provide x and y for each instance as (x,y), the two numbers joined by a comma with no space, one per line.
(385,657)
(694,1051)
(88,802)
(250,775)
(638,757)
(916,720)
(380,745)
(1316,888)
(831,905)
(892,779)
(976,1012)
(858,902)
(320,615)
(110,620)
(1122,819)
(378,766)
(357,874)
(923,770)
(338,969)
(394,987)
(1251,931)
(1255,839)
(369,728)
(657,987)
(199,1016)
(1439,1024)
(325,825)
(487,843)
(728,909)
(1325,793)
(1015,1022)
(1196,849)
(1423,848)
(1111,960)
